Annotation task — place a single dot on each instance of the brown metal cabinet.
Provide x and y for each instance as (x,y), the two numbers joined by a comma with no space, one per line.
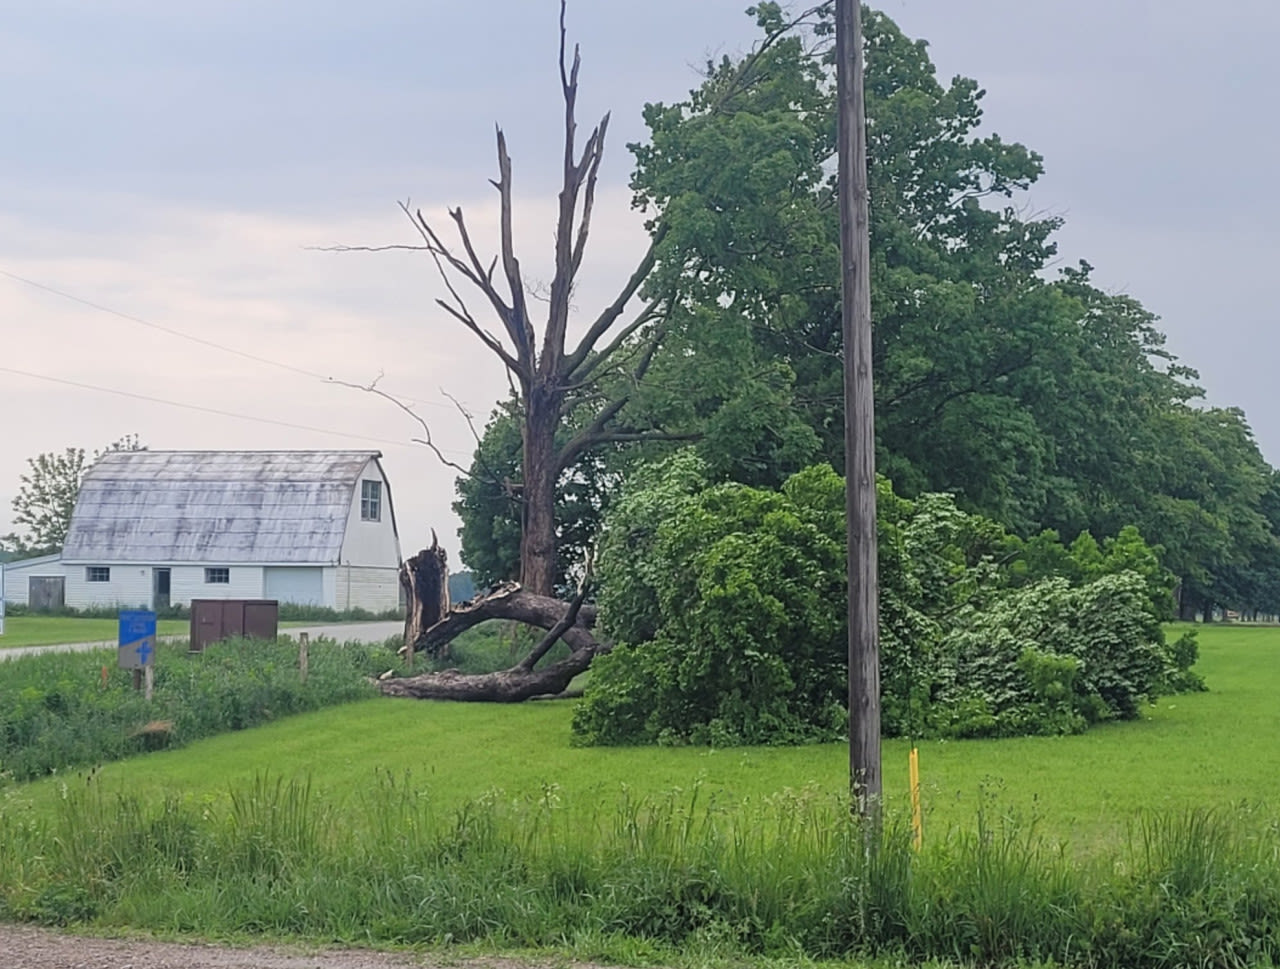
(213,620)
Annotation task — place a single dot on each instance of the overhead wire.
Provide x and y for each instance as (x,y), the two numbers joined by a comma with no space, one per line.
(213,344)
(211,410)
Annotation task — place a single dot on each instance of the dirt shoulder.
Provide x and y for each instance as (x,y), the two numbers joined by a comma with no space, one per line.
(29,947)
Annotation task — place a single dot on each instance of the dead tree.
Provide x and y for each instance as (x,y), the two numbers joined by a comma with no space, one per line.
(550,377)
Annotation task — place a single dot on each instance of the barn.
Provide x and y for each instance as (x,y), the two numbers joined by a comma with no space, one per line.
(160,528)
(35,581)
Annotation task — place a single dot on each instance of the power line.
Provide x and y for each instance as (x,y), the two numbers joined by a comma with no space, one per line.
(157,326)
(301,371)
(210,410)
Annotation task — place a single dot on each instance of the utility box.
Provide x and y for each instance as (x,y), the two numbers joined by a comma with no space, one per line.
(213,620)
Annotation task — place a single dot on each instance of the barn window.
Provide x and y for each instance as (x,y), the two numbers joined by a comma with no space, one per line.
(217,576)
(97,573)
(371,501)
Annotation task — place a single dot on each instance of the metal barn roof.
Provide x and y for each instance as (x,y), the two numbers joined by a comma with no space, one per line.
(279,507)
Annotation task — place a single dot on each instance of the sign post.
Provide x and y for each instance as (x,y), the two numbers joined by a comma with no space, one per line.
(137,649)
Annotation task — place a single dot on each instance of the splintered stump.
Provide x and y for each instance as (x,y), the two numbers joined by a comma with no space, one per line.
(568,621)
(425,579)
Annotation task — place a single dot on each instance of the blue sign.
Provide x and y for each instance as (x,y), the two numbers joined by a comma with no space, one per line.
(137,639)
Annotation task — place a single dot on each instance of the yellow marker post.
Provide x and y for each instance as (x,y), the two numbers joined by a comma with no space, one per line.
(917,819)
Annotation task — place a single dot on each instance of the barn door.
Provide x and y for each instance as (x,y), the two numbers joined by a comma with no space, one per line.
(46,593)
(161,580)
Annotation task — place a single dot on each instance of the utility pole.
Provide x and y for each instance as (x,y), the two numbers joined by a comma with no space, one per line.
(859,417)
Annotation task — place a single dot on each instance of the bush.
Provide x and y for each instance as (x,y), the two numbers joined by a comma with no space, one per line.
(95,612)
(1049,659)
(289,612)
(299,612)
(728,604)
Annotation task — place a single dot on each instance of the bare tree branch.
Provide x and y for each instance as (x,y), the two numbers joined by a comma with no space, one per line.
(647,315)
(426,440)
(518,324)
(487,338)
(482,279)
(595,153)
(387,248)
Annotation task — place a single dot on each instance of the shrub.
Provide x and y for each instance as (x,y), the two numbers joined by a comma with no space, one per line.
(728,604)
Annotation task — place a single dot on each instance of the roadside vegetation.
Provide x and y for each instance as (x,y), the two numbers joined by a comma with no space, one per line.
(64,710)
(1145,843)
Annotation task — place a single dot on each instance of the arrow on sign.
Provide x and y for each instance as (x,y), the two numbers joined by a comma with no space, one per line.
(144,651)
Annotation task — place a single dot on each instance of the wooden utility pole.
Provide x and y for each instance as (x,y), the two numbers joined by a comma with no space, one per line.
(859,417)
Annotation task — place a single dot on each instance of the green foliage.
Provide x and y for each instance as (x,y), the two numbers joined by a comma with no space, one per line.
(729,609)
(744,577)
(58,712)
(489,501)
(1049,658)
(1042,403)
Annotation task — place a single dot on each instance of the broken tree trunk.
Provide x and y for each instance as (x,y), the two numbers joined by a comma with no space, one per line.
(425,579)
(571,622)
(504,686)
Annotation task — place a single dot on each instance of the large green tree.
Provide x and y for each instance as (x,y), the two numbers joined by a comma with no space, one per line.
(1035,398)
(1038,400)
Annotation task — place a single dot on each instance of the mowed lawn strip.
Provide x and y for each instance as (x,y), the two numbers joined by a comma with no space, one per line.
(56,630)
(1213,749)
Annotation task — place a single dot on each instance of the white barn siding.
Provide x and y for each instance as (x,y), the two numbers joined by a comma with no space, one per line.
(370,543)
(368,588)
(298,584)
(129,586)
(17,576)
(187,583)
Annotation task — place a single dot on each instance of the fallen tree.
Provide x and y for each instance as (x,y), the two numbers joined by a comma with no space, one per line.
(570,622)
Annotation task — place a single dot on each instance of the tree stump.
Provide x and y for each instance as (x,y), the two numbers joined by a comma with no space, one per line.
(425,579)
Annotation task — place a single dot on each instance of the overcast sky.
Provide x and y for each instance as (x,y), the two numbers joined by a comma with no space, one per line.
(174,163)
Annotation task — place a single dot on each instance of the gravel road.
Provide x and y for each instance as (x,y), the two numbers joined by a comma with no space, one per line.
(27,947)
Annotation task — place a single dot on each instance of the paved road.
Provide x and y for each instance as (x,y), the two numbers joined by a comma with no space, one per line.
(363,632)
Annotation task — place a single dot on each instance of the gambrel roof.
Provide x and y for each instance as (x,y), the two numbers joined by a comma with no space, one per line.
(277,507)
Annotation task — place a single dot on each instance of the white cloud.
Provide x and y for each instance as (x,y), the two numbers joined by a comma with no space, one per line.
(248,281)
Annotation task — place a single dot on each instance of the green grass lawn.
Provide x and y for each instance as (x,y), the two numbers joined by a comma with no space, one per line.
(53,630)
(1217,748)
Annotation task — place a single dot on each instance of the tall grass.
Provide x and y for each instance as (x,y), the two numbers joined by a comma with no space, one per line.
(64,710)
(788,876)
